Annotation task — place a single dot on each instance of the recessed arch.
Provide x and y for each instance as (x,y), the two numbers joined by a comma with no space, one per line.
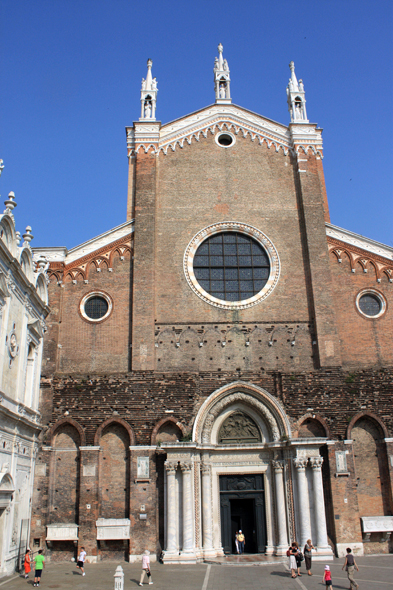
(109,421)
(170,420)
(313,426)
(53,430)
(248,395)
(373,417)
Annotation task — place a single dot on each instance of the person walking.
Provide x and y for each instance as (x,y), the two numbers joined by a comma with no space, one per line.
(327,577)
(241,541)
(146,568)
(27,563)
(237,541)
(307,555)
(291,553)
(350,565)
(39,562)
(81,560)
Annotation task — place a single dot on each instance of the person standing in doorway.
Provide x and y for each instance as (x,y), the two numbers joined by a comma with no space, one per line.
(241,541)
(39,561)
(350,565)
(307,555)
(146,568)
(81,560)
(27,564)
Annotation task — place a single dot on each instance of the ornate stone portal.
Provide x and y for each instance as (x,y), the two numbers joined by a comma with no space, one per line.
(237,473)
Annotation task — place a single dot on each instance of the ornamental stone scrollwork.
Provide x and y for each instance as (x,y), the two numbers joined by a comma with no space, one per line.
(186,466)
(171,466)
(233,399)
(12,345)
(300,463)
(316,462)
(278,465)
(240,484)
(206,469)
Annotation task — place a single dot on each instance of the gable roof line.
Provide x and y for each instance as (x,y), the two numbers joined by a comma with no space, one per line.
(359,241)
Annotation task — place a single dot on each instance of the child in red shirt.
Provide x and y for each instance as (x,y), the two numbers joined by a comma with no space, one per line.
(327,577)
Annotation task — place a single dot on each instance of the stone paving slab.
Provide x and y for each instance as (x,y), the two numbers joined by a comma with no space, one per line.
(376,573)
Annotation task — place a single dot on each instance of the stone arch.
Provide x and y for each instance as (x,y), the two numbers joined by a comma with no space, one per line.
(247,395)
(167,421)
(100,429)
(312,425)
(42,288)
(52,432)
(371,416)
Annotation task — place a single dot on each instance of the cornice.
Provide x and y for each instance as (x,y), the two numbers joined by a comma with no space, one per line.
(360,242)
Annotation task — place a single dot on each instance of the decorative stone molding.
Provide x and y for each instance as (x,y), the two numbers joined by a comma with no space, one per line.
(300,463)
(171,466)
(206,469)
(377,524)
(109,529)
(278,465)
(316,462)
(62,532)
(231,226)
(185,466)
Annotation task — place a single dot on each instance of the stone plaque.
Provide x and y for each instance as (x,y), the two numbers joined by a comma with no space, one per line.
(113,529)
(62,532)
(89,470)
(143,468)
(40,470)
(341,462)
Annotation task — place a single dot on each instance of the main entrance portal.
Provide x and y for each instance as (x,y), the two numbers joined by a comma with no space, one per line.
(242,504)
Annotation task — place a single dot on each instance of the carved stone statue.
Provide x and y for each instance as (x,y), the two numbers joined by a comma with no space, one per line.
(147,110)
(143,84)
(154,84)
(216,63)
(226,65)
(239,428)
(222,91)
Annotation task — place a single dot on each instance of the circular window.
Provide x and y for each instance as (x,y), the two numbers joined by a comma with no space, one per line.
(231,265)
(96,307)
(370,303)
(225,139)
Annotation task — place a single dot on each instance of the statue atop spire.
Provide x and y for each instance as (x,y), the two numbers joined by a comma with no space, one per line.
(148,95)
(296,98)
(222,78)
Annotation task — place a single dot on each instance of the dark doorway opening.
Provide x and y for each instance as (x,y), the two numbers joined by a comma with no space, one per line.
(243,518)
(242,503)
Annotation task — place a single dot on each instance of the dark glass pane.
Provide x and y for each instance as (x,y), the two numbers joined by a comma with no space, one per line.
(231,273)
(260,261)
(256,248)
(242,239)
(205,285)
(216,260)
(218,294)
(230,249)
(201,273)
(261,273)
(244,249)
(230,260)
(231,285)
(217,285)
(201,260)
(244,260)
(232,296)
(246,285)
(96,308)
(216,249)
(258,285)
(203,248)
(217,273)
(245,273)
(229,238)
(245,295)
(370,304)
(215,239)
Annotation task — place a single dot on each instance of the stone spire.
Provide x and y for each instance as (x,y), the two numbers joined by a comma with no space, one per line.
(296,98)
(148,95)
(222,79)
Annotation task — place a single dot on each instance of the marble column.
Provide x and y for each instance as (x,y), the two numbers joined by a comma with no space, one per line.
(304,505)
(319,504)
(207,524)
(282,541)
(171,521)
(188,508)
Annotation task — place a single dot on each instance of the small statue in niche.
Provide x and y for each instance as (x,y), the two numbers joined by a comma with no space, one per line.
(216,63)
(147,110)
(154,84)
(226,65)
(298,110)
(143,84)
(301,86)
(222,91)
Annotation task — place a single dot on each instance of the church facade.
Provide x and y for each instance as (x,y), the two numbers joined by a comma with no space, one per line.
(223,359)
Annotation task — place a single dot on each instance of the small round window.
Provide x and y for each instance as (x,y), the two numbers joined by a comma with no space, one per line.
(96,307)
(225,139)
(370,304)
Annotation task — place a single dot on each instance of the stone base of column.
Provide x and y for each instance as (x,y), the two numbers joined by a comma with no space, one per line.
(188,557)
(270,550)
(170,557)
(322,553)
(135,558)
(209,553)
(281,550)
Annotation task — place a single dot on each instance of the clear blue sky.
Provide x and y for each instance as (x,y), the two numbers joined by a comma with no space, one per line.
(71,74)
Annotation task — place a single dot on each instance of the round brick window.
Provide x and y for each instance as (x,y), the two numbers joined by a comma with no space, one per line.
(231,265)
(370,304)
(225,140)
(95,306)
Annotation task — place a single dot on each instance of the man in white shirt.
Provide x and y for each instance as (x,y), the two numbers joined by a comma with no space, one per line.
(81,560)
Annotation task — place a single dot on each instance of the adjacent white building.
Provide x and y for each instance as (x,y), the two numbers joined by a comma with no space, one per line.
(23,309)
